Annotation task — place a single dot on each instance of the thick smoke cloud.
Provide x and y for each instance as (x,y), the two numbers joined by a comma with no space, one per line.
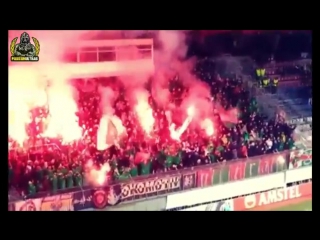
(47,83)
(168,60)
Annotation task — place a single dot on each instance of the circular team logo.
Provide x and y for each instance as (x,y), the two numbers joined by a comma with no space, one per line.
(28,206)
(100,199)
(250,201)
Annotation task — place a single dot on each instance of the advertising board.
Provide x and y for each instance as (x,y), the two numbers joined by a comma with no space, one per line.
(28,205)
(272,196)
(61,202)
(225,191)
(82,200)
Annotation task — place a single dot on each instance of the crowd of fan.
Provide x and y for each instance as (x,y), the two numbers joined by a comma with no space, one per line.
(51,170)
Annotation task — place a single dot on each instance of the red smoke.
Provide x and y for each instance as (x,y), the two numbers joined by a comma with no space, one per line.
(46,84)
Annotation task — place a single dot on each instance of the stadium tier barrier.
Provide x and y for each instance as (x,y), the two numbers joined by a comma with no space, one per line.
(141,188)
(234,196)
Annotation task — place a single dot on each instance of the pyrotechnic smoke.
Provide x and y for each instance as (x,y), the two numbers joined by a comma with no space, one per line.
(28,87)
(106,130)
(96,176)
(62,108)
(108,96)
(160,91)
(170,61)
(139,99)
(45,83)
(173,47)
(207,125)
(102,133)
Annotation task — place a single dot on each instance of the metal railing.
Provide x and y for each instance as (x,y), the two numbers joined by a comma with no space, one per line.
(110,50)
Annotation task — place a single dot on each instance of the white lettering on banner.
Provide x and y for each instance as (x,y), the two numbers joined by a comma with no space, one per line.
(150,186)
(225,191)
(273,196)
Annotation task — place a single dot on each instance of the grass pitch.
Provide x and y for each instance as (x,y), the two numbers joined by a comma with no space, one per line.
(292,205)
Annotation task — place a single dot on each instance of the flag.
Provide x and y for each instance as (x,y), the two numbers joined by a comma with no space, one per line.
(112,133)
(107,133)
(121,130)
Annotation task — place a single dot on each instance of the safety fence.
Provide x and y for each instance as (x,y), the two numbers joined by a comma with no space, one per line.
(166,183)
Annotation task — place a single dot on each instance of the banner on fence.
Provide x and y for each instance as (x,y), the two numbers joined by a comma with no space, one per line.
(107,196)
(61,202)
(189,180)
(82,200)
(114,194)
(300,158)
(241,169)
(28,205)
(205,177)
(272,196)
(150,187)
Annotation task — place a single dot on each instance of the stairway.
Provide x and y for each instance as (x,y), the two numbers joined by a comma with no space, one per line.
(293,106)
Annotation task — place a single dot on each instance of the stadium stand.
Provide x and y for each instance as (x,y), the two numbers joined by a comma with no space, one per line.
(232,82)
